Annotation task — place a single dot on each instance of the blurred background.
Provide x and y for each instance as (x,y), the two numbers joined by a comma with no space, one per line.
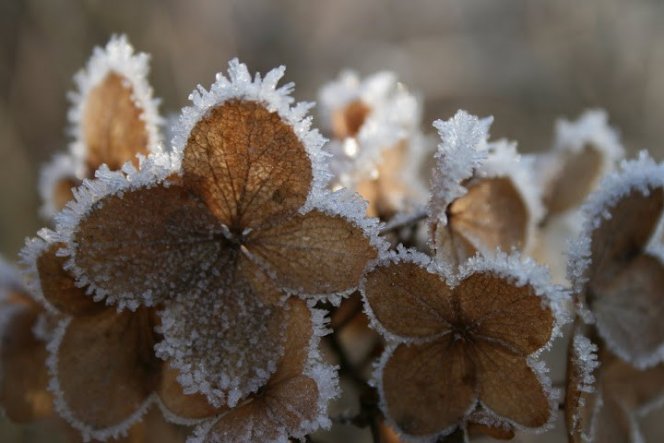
(524,62)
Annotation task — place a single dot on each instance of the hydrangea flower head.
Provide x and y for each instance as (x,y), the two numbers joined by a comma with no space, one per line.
(220,233)
(462,346)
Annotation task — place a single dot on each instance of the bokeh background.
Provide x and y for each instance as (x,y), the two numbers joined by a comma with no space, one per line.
(525,62)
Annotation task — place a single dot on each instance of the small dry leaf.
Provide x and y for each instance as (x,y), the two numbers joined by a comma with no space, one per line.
(492,214)
(23,393)
(247,164)
(489,327)
(107,356)
(114,131)
(578,174)
(348,121)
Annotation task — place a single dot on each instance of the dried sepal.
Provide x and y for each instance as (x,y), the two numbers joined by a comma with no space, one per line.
(292,403)
(614,275)
(484,196)
(584,151)
(103,370)
(494,318)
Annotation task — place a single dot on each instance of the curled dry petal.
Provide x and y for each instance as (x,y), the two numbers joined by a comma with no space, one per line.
(578,174)
(347,122)
(104,366)
(59,288)
(492,214)
(286,402)
(409,301)
(504,312)
(114,131)
(428,388)
(314,253)
(247,164)
(23,393)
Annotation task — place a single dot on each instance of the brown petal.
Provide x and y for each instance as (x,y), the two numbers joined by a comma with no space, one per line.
(287,401)
(314,253)
(149,240)
(348,121)
(503,311)
(630,387)
(491,215)
(247,164)
(629,309)
(23,393)
(623,236)
(428,388)
(578,175)
(408,300)
(58,286)
(113,130)
(106,368)
(177,402)
(508,386)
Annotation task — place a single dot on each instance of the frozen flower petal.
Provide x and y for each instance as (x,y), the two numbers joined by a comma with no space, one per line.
(314,253)
(407,300)
(492,214)
(180,405)
(505,312)
(428,388)
(285,405)
(59,287)
(103,370)
(221,336)
(145,245)
(23,374)
(580,384)
(509,387)
(56,180)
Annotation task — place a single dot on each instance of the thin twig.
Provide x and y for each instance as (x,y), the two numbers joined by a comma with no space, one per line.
(402,221)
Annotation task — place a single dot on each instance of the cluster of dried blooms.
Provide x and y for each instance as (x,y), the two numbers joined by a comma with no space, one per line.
(216,287)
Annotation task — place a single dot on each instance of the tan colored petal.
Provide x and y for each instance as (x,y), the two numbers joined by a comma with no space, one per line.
(59,288)
(629,308)
(428,388)
(106,368)
(247,164)
(495,308)
(408,300)
(113,130)
(288,400)
(623,236)
(23,393)
(314,253)
(631,387)
(348,121)
(62,192)
(153,241)
(180,404)
(508,386)
(578,175)
(492,214)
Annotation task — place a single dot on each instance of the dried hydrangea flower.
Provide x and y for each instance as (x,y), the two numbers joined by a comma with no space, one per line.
(618,280)
(483,194)
(23,376)
(377,147)
(457,343)
(114,117)
(220,232)
(292,403)
(102,365)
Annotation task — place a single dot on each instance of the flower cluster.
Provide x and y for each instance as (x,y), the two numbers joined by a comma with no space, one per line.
(224,285)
